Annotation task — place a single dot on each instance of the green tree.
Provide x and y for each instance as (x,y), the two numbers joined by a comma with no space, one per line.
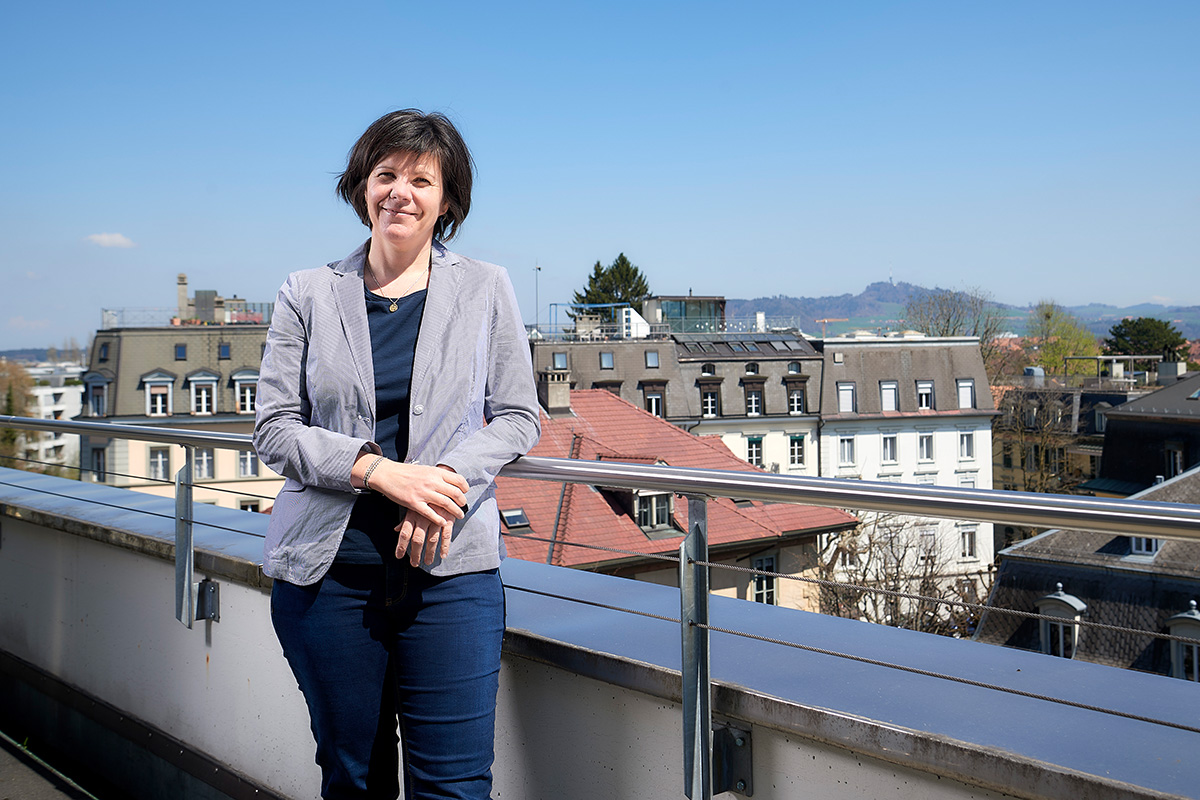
(619,282)
(1146,336)
(1053,334)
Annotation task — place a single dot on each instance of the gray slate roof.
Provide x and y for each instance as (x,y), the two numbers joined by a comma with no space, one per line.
(1119,588)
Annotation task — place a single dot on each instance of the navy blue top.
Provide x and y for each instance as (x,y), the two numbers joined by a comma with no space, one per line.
(371,535)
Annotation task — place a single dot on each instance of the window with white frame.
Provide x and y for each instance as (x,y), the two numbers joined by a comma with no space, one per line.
(889,396)
(796,450)
(889,454)
(654,402)
(795,400)
(245,388)
(846,400)
(966,445)
(160,463)
(966,392)
(1143,545)
(754,402)
(966,480)
(97,398)
(925,446)
(754,450)
(157,386)
(925,395)
(764,585)
(204,398)
(966,535)
(1185,656)
(654,511)
(710,403)
(606,361)
(1060,638)
(247,465)
(846,450)
(203,465)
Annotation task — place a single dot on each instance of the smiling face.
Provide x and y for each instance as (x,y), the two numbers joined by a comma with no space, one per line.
(404,199)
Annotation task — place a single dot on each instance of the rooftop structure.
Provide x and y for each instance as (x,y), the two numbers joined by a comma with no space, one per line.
(545,519)
(1139,586)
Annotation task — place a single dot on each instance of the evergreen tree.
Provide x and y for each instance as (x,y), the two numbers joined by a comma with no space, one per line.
(619,282)
(1146,336)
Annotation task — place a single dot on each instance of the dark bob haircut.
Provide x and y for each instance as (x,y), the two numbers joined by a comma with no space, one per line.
(412,131)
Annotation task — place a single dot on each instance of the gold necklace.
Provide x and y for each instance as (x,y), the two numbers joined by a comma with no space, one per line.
(405,291)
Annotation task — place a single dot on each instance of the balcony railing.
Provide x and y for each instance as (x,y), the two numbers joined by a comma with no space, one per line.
(700,746)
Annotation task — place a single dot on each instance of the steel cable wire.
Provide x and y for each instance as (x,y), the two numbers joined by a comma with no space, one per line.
(137,510)
(164,481)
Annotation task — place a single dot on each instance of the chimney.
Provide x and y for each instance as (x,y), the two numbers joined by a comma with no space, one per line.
(181,288)
(554,391)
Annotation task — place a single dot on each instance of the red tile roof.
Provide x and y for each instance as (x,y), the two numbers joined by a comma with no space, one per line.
(605,427)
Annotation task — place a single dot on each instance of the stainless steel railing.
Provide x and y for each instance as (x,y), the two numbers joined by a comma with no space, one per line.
(1139,518)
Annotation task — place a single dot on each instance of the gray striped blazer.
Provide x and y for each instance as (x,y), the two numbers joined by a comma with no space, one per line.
(316,405)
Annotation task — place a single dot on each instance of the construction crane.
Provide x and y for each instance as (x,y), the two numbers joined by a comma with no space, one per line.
(831,319)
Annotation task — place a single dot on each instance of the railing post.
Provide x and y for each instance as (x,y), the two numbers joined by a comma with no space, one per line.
(697,710)
(185,593)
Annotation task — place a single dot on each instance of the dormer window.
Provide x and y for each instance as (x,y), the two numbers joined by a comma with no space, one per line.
(245,389)
(1143,545)
(1185,656)
(158,387)
(203,390)
(925,395)
(1060,638)
(653,511)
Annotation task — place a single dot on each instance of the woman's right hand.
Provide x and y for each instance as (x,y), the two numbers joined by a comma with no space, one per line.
(435,493)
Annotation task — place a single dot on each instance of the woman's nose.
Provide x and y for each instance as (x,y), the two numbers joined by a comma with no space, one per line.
(401,190)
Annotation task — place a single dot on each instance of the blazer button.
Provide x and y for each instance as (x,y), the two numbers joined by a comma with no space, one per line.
(418,409)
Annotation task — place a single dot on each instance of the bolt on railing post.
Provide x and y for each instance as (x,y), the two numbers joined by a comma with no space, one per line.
(697,710)
(185,594)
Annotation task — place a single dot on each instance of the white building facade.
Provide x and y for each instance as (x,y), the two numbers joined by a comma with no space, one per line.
(912,409)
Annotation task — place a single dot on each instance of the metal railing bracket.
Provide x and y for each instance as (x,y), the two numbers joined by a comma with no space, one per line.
(732,761)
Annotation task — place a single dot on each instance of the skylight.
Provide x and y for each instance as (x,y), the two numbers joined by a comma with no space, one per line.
(515,518)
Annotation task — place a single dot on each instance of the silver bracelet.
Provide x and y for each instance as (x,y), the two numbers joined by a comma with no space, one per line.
(370,469)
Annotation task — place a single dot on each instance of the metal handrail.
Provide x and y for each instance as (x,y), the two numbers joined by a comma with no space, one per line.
(1128,517)
(1139,518)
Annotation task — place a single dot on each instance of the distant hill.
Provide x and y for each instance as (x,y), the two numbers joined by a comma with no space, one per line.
(29,355)
(881,306)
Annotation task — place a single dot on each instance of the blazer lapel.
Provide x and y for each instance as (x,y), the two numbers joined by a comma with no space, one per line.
(445,275)
(352,308)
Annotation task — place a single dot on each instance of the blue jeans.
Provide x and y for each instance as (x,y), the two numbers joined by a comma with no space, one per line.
(369,642)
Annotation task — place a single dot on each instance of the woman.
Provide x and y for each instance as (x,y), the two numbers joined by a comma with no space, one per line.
(379,373)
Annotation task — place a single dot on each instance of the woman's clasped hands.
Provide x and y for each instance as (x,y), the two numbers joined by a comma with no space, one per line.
(432,499)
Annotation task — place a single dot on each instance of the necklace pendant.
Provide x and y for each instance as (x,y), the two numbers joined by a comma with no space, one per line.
(393,306)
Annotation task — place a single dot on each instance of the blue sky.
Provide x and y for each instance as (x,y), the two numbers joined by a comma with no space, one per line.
(1036,150)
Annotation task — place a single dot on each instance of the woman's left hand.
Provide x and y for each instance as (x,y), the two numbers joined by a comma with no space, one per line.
(420,534)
